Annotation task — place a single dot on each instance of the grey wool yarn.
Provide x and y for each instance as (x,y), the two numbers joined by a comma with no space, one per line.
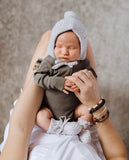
(69,22)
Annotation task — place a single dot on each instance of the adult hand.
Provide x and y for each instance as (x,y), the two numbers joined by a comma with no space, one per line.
(88,92)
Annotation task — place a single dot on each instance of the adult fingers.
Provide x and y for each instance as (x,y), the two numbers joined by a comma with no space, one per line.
(70,89)
(89,74)
(77,81)
(85,77)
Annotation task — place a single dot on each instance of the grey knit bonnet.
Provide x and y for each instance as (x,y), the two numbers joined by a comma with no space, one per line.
(70,22)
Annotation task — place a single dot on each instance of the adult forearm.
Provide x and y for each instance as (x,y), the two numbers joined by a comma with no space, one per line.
(24,113)
(21,123)
(40,52)
(25,110)
(111,142)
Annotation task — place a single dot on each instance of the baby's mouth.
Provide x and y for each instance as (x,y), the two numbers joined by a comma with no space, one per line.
(65,58)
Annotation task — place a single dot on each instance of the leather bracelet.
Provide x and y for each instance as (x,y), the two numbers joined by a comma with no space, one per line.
(102,119)
(100,113)
(97,106)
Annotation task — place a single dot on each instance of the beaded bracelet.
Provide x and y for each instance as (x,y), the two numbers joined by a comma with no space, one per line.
(102,112)
(97,106)
(37,64)
(102,119)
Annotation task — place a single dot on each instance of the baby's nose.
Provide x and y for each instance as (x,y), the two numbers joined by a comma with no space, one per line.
(65,51)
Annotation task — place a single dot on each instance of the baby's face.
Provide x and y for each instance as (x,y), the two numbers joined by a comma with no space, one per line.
(67,47)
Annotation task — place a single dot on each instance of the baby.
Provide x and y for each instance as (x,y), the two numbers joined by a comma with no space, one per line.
(61,111)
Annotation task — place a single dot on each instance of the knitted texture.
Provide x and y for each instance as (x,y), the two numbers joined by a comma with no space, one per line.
(72,128)
(55,126)
(69,22)
(84,124)
(85,136)
(62,126)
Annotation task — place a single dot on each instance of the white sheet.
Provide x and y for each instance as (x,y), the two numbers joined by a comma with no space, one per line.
(59,147)
(45,146)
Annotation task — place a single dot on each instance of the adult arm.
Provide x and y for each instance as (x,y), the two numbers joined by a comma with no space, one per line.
(40,52)
(110,140)
(24,112)
(90,56)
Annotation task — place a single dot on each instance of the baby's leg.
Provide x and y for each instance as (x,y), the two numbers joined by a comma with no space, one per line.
(82,112)
(43,118)
(84,119)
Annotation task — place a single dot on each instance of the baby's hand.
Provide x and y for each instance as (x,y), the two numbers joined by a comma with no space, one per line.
(69,86)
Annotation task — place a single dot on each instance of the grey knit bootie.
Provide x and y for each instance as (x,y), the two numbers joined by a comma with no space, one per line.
(55,126)
(84,135)
(62,126)
(72,128)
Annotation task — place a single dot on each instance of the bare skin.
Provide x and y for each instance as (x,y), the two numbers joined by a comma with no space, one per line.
(27,107)
(111,142)
(25,110)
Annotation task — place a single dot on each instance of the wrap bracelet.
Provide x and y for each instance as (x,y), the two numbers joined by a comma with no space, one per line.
(102,119)
(97,106)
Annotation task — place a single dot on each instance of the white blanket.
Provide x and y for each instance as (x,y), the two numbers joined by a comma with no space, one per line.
(45,146)
(59,147)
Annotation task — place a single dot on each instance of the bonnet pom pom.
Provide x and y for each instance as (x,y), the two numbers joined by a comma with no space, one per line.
(70,14)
